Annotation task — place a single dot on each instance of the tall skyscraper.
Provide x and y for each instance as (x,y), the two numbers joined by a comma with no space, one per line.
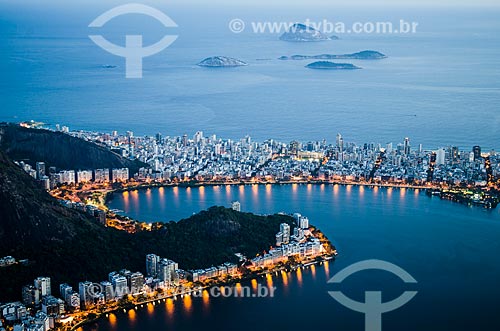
(136,282)
(40,170)
(152,262)
(120,286)
(406,146)
(86,294)
(31,295)
(454,154)
(65,291)
(285,230)
(159,138)
(477,152)
(107,290)
(388,148)
(43,286)
(339,136)
(440,156)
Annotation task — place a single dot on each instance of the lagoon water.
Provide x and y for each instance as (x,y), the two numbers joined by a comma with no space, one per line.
(450,249)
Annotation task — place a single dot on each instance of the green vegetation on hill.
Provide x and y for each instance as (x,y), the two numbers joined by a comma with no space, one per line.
(69,246)
(59,150)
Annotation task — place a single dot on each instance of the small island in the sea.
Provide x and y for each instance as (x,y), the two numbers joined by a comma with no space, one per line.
(221,62)
(302,33)
(327,65)
(363,55)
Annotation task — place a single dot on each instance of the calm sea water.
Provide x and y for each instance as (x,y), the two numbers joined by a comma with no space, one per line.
(450,249)
(439,86)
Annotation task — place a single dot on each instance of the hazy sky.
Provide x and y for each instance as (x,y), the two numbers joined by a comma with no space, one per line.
(381,3)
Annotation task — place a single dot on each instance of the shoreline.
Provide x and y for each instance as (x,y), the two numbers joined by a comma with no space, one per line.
(251,276)
(145,186)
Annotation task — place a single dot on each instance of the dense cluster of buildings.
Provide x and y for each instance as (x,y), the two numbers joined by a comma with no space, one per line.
(210,158)
(301,244)
(49,309)
(40,310)
(52,178)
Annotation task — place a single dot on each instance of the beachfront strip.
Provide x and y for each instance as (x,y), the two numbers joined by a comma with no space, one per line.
(42,311)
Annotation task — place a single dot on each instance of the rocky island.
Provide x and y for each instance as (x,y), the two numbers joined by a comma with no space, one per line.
(303,33)
(221,62)
(363,55)
(327,65)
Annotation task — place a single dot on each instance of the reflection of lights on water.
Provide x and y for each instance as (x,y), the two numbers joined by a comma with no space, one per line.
(254,284)
(151,309)
(327,270)
(294,188)
(284,277)
(269,281)
(255,190)
(112,319)
(238,289)
(335,190)
(170,306)
(126,199)
(313,270)
(131,315)
(135,197)
(299,276)
(188,303)
(206,299)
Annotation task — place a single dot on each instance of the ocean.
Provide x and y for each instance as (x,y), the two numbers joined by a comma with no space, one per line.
(439,86)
